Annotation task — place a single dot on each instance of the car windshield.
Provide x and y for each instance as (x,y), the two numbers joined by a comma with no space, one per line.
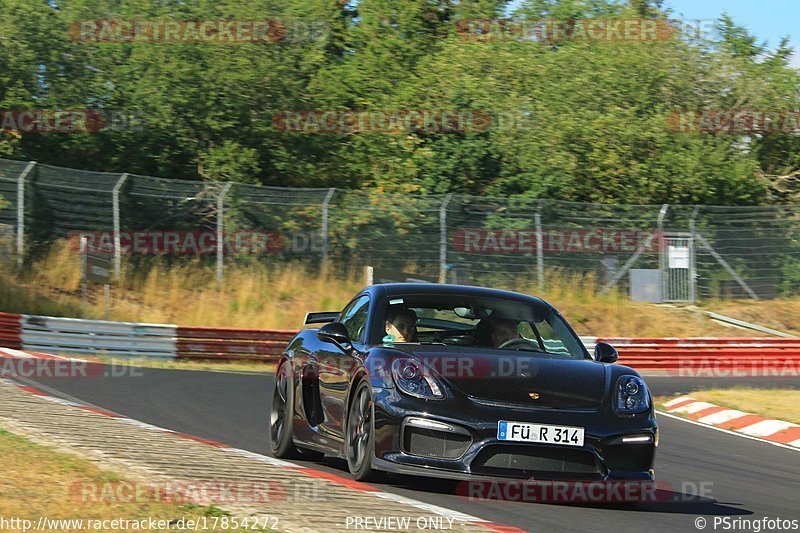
(465,320)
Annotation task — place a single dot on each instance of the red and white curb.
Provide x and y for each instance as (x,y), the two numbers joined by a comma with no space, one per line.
(455,516)
(10,353)
(747,424)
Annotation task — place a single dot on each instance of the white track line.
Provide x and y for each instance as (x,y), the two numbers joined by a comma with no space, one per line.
(729,432)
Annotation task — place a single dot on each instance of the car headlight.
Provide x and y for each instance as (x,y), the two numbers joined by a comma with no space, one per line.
(632,395)
(415,380)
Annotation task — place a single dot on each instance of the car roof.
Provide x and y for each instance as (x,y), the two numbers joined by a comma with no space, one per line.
(392,289)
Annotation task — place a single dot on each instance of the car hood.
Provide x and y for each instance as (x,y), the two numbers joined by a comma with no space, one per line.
(517,377)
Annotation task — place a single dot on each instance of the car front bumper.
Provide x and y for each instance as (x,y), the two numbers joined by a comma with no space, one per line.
(461,441)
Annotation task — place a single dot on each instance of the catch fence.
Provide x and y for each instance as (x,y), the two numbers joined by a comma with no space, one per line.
(658,253)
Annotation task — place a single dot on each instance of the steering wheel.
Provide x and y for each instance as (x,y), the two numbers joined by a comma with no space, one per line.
(516,344)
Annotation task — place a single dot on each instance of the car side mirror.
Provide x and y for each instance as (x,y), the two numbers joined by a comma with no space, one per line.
(605,353)
(336,333)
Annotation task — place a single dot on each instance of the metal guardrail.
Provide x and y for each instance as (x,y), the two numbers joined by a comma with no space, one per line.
(748,325)
(58,335)
(85,337)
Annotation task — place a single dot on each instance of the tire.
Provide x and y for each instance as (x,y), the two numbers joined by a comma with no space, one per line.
(280,420)
(281,413)
(360,435)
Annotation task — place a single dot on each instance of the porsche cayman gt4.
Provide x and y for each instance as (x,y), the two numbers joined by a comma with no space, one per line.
(463,383)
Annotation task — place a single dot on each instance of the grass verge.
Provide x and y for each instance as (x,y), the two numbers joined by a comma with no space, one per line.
(781,404)
(278,296)
(38,481)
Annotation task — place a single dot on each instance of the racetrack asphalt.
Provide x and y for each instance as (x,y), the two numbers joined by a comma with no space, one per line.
(713,474)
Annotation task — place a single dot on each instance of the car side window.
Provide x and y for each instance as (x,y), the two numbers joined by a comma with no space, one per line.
(354,318)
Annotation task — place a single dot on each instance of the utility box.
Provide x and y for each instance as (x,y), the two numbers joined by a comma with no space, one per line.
(645,285)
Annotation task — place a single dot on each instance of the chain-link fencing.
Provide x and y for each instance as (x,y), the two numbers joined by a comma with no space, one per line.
(657,253)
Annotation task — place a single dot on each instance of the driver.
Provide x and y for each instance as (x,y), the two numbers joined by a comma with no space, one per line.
(503,330)
(401,323)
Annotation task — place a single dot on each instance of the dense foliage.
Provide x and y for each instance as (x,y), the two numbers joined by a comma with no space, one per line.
(583,120)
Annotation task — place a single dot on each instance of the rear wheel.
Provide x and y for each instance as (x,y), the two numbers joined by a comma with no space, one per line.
(280,416)
(280,419)
(360,435)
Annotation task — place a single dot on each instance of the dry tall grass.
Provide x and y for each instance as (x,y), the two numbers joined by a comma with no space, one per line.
(278,296)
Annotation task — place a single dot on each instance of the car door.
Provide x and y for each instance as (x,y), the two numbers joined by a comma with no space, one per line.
(335,367)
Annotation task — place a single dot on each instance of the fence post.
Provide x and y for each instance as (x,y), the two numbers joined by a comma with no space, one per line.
(21,212)
(662,241)
(693,256)
(115,209)
(539,249)
(84,280)
(639,251)
(325,205)
(443,238)
(221,228)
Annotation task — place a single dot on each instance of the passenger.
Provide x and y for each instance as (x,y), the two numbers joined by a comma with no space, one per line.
(401,323)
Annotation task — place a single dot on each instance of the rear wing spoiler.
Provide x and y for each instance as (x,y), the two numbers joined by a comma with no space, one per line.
(321,318)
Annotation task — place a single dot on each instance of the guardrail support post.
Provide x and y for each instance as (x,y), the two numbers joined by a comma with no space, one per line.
(115,207)
(21,212)
(221,228)
(325,206)
(443,239)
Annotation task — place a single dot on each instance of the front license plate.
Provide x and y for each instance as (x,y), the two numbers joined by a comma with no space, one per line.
(524,432)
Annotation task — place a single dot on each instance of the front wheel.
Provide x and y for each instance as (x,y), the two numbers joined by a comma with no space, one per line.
(360,435)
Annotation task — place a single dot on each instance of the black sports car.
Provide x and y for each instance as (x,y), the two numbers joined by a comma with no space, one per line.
(460,382)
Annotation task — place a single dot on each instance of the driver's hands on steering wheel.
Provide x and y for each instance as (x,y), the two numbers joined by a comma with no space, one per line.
(518,343)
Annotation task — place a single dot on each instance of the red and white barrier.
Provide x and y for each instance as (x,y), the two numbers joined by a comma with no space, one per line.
(11,330)
(720,357)
(231,343)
